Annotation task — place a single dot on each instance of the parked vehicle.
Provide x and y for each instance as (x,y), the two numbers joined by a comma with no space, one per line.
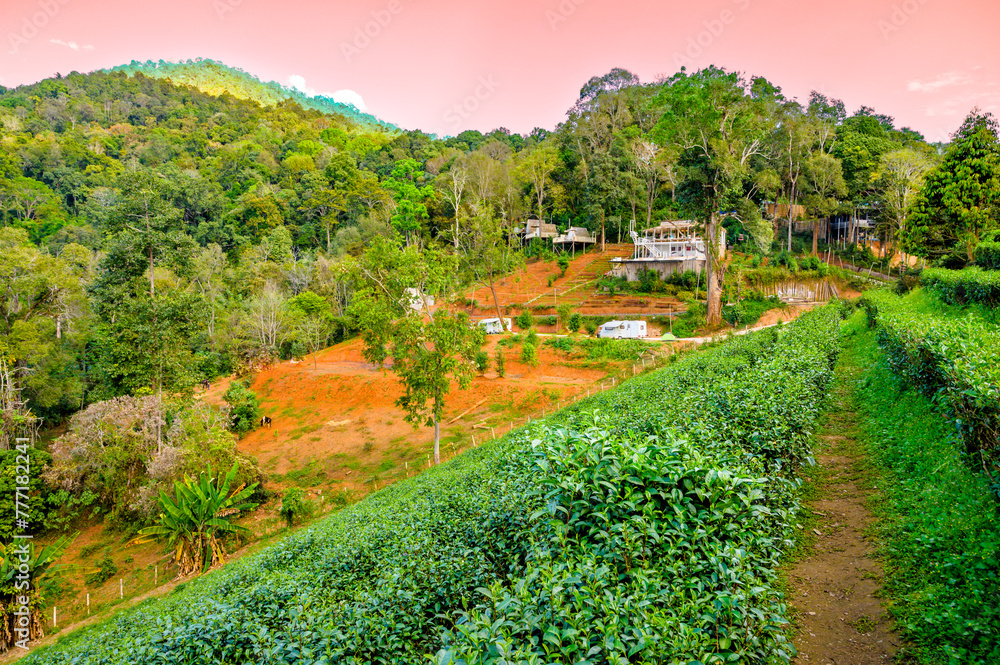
(493,327)
(622,330)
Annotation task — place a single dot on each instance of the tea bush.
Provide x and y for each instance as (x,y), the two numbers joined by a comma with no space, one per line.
(643,525)
(952,360)
(962,287)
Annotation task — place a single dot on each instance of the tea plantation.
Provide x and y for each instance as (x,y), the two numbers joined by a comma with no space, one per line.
(641,526)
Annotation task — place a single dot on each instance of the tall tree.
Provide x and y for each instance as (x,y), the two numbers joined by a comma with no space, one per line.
(719,128)
(898,180)
(144,214)
(960,199)
(824,187)
(486,254)
(429,349)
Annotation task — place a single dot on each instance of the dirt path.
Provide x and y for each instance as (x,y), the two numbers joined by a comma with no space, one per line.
(837,583)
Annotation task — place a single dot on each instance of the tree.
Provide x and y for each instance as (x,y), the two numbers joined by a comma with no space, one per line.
(535,167)
(428,349)
(453,184)
(960,199)
(144,213)
(718,127)
(42,573)
(898,181)
(486,254)
(824,186)
(194,520)
(411,198)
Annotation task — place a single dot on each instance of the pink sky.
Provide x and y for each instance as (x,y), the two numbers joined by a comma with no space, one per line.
(448,65)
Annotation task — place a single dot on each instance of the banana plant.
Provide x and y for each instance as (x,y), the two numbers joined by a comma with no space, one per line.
(195,519)
(43,571)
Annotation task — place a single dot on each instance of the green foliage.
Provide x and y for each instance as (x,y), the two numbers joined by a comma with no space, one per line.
(296,506)
(613,349)
(960,199)
(749,310)
(962,287)
(649,534)
(482,362)
(950,359)
(524,320)
(573,324)
(563,264)
(66,508)
(499,362)
(244,407)
(938,520)
(988,255)
(106,569)
(196,518)
(529,354)
(12,476)
(38,586)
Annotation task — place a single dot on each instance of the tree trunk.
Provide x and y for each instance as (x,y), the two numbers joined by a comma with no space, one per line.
(713,273)
(151,287)
(816,238)
(496,303)
(437,440)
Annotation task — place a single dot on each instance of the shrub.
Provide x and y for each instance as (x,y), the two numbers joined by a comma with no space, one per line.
(244,407)
(500,366)
(545,532)
(563,264)
(953,361)
(962,287)
(988,255)
(531,338)
(574,322)
(106,569)
(482,362)
(524,320)
(590,327)
(295,506)
(529,354)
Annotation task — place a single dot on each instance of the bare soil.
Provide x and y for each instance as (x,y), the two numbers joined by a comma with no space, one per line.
(836,599)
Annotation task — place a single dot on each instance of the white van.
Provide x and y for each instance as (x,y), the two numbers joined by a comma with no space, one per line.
(622,330)
(493,327)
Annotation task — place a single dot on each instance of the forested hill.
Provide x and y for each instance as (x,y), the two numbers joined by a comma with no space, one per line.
(242,203)
(217,78)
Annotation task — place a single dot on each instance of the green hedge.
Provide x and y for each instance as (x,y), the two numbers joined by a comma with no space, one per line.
(952,360)
(938,526)
(988,255)
(616,531)
(963,287)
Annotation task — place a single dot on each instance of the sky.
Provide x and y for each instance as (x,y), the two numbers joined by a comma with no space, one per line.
(444,66)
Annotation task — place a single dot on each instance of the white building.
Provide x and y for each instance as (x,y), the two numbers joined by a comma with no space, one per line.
(671,247)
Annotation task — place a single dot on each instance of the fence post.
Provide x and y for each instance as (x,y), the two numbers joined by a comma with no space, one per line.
(156,576)
(54,616)
(88,604)
(121,588)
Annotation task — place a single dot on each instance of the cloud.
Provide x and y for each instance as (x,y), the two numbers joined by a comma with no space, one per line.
(945,80)
(345,96)
(72,45)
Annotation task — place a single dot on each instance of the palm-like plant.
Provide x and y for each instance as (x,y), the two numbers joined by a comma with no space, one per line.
(195,519)
(43,569)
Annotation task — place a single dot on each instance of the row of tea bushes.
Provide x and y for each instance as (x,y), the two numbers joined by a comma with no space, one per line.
(952,360)
(963,287)
(602,535)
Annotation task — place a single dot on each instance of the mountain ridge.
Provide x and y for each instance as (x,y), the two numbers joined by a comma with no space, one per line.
(217,78)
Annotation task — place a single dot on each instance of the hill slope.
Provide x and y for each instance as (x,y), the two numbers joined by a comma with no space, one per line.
(216,78)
